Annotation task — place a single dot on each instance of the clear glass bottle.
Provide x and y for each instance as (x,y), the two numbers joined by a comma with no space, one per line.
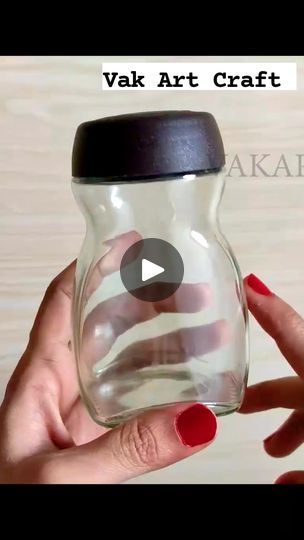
(155,176)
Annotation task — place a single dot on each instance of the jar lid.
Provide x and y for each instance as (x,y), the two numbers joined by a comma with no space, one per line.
(147,145)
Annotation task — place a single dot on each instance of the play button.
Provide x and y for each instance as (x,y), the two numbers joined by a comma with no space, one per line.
(152,269)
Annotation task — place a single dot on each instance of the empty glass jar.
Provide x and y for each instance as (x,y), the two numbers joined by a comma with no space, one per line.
(159,312)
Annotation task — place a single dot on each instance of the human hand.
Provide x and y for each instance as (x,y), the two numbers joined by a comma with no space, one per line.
(113,366)
(286,327)
(47,435)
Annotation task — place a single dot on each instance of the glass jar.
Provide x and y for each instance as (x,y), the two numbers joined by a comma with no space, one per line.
(159,311)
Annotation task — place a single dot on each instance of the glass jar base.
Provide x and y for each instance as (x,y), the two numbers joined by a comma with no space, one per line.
(219,409)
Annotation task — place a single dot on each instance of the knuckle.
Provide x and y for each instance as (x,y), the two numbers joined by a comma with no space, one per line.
(294,320)
(291,321)
(138,445)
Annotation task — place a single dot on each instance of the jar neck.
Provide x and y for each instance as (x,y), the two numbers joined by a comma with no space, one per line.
(167,200)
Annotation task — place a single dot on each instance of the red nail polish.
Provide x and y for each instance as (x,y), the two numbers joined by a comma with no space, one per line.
(257,285)
(282,481)
(196,425)
(268,438)
(291,478)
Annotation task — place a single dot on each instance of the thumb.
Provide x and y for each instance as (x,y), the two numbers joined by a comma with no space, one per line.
(292,477)
(155,439)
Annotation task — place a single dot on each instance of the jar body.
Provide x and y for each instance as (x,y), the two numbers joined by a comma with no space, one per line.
(133,355)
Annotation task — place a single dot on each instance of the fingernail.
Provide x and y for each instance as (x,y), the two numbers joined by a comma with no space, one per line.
(269,438)
(257,285)
(196,425)
(292,478)
(283,481)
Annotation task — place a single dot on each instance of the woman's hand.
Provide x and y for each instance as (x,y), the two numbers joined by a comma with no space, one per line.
(286,327)
(47,435)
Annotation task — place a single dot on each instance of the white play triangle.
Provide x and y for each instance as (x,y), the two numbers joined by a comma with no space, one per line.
(150,269)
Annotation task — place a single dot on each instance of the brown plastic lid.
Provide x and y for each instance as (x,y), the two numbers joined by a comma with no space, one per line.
(147,145)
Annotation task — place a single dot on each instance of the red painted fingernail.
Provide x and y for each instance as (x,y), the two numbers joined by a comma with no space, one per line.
(257,285)
(269,438)
(291,478)
(196,425)
(282,481)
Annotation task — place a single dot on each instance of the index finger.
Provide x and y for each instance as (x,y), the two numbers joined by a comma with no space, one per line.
(279,320)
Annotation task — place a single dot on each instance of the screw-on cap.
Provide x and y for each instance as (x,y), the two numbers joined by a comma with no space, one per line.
(147,145)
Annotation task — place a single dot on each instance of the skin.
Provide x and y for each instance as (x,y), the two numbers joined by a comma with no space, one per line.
(286,327)
(48,437)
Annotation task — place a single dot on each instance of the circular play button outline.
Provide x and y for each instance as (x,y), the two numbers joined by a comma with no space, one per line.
(152,269)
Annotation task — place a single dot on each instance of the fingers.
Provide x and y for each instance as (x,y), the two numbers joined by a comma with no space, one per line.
(44,382)
(173,348)
(292,477)
(286,327)
(288,437)
(48,343)
(287,392)
(279,320)
(52,322)
(113,317)
(156,439)
(110,262)
(119,246)
(185,342)
(51,332)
